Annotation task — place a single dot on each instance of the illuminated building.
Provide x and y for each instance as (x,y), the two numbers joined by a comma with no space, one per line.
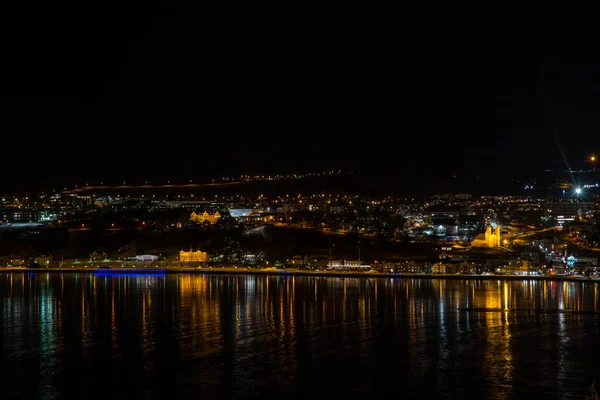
(16,262)
(348,264)
(453,267)
(19,215)
(298,260)
(488,239)
(145,257)
(568,211)
(205,216)
(43,259)
(97,255)
(251,215)
(189,204)
(193,256)
(242,212)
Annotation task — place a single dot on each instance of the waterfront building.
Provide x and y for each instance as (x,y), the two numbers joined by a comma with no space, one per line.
(348,265)
(43,259)
(454,267)
(298,260)
(193,256)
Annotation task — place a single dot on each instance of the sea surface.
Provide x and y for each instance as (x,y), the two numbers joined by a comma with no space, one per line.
(119,336)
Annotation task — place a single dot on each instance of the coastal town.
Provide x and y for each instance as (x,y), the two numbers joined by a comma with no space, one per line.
(231,228)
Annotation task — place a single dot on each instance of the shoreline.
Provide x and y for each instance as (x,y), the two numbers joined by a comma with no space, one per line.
(293,272)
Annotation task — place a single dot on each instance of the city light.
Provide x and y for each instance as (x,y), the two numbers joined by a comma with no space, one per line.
(578,191)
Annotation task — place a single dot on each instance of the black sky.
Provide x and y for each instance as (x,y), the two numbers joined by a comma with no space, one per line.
(156,92)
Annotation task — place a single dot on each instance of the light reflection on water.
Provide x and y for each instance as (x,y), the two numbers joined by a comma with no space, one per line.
(218,336)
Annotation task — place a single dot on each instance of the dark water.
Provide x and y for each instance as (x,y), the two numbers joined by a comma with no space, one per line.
(217,337)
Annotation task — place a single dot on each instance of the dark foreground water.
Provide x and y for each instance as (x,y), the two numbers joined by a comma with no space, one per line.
(219,337)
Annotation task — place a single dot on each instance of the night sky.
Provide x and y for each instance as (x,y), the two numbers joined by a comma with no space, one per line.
(155,93)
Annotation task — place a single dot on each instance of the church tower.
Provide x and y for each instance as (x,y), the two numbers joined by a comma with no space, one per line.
(492,237)
(489,240)
(497,236)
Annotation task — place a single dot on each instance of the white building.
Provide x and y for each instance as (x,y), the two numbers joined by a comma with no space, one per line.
(145,257)
(348,265)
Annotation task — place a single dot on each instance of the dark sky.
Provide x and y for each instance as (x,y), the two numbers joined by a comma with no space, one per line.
(162,92)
